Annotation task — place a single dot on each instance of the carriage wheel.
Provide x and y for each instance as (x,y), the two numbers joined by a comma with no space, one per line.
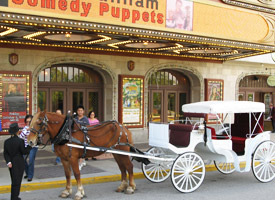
(225,168)
(263,162)
(156,171)
(188,172)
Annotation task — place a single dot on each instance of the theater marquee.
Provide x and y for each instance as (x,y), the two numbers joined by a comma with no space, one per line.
(143,12)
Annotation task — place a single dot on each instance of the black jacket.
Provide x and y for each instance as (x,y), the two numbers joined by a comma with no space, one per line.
(14,148)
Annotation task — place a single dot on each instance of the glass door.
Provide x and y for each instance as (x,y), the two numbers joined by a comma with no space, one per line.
(182,101)
(57,100)
(43,99)
(94,103)
(267,101)
(156,106)
(77,97)
(172,109)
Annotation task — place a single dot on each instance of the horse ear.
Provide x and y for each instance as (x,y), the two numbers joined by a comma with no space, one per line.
(44,112)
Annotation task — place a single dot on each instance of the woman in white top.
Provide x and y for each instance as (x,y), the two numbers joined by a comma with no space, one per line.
(29,166)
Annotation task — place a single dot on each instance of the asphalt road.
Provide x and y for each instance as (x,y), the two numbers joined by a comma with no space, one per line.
(216,186)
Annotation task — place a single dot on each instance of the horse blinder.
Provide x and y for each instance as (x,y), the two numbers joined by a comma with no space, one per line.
(43,126)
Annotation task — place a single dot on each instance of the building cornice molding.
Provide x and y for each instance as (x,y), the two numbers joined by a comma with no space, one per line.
(258,5)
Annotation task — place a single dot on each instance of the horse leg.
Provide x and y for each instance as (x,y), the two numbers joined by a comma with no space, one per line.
(68,190)
(123,186)
(129,167)
(80,190)
(125,164)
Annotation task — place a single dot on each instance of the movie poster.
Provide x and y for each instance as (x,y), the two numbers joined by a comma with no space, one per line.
(132,91)
(214,90)
(179,14)
(14,100)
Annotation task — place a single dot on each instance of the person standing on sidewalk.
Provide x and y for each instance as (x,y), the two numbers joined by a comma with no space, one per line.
(272,116)
(29,167)
(57,159)
(14,149)
(83,121)
(92,121)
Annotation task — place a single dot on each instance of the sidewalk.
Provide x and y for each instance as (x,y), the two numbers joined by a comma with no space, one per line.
(47,175)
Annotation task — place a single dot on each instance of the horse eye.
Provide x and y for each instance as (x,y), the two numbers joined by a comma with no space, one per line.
(39,121)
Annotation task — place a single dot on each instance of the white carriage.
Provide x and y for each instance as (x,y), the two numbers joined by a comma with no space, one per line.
(235,141)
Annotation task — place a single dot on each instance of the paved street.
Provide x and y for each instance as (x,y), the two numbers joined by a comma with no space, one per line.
(216,186)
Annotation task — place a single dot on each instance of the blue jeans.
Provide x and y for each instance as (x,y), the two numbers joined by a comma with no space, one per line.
(29,167)
(57,159)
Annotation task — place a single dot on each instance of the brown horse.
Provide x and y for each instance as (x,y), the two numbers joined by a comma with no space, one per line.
(107,134)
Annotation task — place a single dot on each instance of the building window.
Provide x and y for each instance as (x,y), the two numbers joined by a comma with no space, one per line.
(60,73)
(163,78)
(255,81)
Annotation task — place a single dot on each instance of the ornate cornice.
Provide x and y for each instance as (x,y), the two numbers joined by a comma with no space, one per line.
(267,6)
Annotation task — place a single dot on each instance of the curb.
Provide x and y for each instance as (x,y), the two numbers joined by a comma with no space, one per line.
(85,181)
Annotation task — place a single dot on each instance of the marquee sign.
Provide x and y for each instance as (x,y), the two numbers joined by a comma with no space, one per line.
(193,16)
(146,12)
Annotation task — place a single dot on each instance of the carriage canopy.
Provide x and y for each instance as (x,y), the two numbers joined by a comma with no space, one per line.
(215,107)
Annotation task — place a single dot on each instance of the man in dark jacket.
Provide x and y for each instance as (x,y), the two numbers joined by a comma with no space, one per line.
(14,149)
(272,116)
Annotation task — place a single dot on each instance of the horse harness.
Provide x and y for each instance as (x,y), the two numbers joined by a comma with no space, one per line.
(65,133)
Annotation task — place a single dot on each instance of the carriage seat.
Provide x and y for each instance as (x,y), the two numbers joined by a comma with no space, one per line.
(195,115)
(238,144)
(180,134)
(214,135)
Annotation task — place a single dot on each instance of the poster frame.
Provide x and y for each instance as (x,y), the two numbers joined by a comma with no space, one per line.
(28,75)
(209,85)
(121,109)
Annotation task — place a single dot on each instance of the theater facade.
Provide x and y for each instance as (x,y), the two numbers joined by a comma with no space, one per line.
(133,61)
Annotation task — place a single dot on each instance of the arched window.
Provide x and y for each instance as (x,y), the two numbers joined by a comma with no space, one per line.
(168,91)
(163,78)
(254,81)
(168,78)
(65,86)
(69,74)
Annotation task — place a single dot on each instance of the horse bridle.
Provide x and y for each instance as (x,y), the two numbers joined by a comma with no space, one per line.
(43,127)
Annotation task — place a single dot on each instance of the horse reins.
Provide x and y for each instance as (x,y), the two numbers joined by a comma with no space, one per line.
(43,126)
(68,131)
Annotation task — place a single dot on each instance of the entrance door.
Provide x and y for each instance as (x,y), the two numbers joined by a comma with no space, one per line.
(94,98)
(171,101)
(77,97)
(58,99)
(68,86)
(156,107)
(168,91)
(182,101)
(51,99)
(165,105)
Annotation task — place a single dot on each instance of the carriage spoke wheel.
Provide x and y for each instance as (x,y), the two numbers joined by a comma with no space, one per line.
(188,172)
(156,171)
(263,162)
(225,168)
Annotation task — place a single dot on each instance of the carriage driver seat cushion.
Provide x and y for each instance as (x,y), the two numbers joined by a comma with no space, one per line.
(180,134)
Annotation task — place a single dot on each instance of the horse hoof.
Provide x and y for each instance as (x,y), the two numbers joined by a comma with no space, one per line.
(64,194)
(123,186)
(129,190)
(119,190)
(77,198)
